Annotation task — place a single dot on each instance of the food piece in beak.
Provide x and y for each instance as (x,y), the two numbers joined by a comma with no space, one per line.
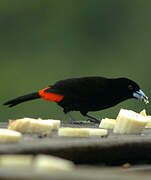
(141,96)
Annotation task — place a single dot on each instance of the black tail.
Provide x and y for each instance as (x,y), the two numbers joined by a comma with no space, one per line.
(21,99)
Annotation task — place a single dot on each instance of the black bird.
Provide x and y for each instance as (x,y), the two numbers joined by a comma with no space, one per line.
(86,94)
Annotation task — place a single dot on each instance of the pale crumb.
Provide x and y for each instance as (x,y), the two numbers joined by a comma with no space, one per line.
(143,113)
(126,165)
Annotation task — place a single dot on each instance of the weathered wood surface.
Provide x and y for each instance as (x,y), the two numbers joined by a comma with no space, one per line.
(113,149)
(80,173)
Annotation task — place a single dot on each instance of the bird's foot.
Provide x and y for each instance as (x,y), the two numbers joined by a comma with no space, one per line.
(81,122)
(73,121)
(93,119)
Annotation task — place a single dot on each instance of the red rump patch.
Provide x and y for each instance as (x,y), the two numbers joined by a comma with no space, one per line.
(48,96)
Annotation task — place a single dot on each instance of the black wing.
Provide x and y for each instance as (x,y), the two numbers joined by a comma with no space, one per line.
(83,87)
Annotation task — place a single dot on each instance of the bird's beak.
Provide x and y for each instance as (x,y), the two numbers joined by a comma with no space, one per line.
(141,96)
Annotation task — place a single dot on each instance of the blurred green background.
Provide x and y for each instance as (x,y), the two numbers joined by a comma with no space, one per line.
(42,42)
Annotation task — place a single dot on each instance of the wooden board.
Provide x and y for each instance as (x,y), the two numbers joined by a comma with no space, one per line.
(113,149)
(110,150)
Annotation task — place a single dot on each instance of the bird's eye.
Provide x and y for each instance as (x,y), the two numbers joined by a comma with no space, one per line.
(130,87)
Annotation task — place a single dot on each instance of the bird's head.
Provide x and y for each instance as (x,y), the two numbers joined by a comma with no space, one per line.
(132,90)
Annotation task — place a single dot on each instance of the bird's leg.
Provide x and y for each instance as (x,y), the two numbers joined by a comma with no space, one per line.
(93,119)
(70,118)
(73,121)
